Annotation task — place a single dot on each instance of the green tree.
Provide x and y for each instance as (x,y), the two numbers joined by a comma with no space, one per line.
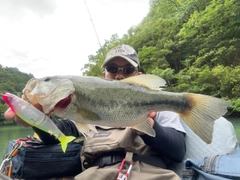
(12,81)
(193,44)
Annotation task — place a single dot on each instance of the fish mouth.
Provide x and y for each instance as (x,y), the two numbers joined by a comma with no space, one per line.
(50,93)
(62,104)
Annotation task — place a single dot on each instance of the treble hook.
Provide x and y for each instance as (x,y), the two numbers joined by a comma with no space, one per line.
(25,95)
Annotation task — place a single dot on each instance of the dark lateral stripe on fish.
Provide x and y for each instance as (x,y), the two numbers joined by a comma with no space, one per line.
(177,106)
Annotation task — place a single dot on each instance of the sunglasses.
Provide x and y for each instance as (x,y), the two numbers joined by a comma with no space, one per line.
(128,69)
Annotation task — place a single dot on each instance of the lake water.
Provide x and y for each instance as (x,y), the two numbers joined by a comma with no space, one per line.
(8,133)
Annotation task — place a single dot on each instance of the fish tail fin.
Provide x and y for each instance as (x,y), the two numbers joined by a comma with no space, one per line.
(64,140)
(202,113)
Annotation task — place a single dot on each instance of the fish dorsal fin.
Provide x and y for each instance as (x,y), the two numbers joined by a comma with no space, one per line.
(147,80)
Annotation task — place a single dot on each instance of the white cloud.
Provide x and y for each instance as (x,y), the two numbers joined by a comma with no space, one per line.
(17,8)
(47,37)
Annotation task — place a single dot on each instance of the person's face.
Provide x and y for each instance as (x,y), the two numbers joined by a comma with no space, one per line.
(119,62)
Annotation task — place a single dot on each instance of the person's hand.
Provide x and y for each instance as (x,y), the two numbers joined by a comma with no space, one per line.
(151,116)
(9,115)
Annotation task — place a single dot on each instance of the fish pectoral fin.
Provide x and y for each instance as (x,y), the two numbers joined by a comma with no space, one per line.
(149,81)
(85,128)
(64,140)
(145,127)
(87,114)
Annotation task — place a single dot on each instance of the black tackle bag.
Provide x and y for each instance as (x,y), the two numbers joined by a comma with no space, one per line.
(34,160)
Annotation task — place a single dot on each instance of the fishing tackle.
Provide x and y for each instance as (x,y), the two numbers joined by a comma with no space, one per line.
(33,116)
(9,157)
(122,176)
(25,95)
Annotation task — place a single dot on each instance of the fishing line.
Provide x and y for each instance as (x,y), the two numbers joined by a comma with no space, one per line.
(94,28)
(25,95)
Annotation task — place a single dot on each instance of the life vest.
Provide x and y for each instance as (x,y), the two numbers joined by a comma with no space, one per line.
(109,140)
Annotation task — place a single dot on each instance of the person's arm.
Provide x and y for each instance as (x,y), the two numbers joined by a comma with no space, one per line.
(67,127)
(168,142)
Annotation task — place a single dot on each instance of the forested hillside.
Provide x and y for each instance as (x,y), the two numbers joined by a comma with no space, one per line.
(193,44)
(13,81)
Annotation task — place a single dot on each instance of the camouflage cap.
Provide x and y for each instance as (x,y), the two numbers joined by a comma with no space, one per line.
(124,51)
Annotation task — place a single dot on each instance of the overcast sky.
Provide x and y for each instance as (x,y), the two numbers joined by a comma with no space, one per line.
(55,37)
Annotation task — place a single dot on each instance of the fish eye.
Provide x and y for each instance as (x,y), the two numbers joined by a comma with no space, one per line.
(9,98)
(47,79)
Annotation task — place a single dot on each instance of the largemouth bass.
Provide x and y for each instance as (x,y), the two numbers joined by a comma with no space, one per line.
(125,103)
(35,117)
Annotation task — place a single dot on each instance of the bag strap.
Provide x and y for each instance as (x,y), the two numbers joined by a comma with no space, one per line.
(112,158)
(153,160)
(129,157)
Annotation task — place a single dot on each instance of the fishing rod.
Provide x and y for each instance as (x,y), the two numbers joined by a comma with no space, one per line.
(94,28)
